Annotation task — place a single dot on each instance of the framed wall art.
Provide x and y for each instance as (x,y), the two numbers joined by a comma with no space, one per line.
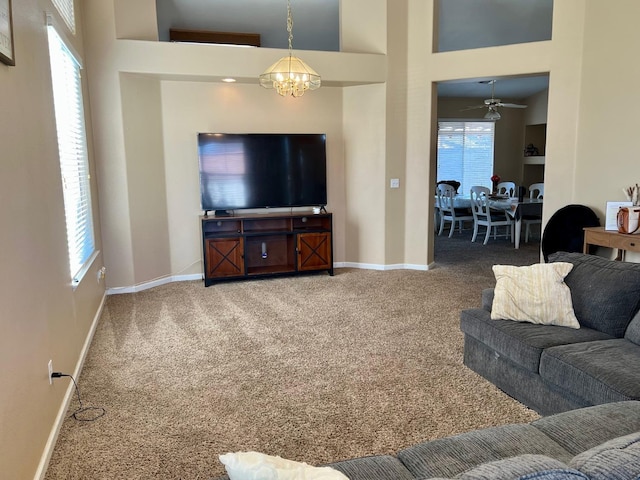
(6,33)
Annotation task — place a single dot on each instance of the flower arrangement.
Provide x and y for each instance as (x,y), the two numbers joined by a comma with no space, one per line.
(495,179)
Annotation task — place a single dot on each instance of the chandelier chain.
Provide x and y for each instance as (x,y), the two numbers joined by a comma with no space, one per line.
(290,26)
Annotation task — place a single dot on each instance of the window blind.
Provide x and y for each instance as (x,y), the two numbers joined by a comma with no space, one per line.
(465,153)
(72,147)
(65,8)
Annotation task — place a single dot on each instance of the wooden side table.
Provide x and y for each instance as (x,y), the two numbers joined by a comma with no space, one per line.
(612,239)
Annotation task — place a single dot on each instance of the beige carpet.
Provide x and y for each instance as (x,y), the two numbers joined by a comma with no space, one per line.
(313,368)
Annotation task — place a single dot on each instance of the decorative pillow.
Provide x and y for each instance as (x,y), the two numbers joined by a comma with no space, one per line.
(617,459)
(259,466)
(523,467)
(535,294)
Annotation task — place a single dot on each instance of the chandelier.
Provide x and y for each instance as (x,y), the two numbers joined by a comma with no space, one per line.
(290,75)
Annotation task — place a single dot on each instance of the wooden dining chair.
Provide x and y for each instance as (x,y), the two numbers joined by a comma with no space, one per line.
(445,201)
(483,216)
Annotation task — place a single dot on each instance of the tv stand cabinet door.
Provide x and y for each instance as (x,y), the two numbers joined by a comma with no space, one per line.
(314,252)
(224,257)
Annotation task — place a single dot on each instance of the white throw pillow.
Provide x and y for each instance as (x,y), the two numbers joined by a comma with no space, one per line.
(259,466)
(535,294)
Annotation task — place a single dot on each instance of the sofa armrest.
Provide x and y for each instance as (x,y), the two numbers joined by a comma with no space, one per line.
(487,299)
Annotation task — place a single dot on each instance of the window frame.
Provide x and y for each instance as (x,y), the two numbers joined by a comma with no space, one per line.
(75,172)
(483,178)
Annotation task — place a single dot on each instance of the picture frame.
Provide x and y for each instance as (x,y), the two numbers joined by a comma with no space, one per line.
(6,34)
(611,214)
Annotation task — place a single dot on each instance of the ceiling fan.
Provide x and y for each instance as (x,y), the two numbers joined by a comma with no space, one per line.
(493,103)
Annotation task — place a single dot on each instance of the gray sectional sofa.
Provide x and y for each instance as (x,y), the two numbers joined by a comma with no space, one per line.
(553,369)
(593,443)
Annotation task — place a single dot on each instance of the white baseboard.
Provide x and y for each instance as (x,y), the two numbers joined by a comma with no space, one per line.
(62,411)
(374,266)
(154,283)
(198,276)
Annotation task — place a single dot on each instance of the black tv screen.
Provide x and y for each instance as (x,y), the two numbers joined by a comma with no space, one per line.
(262,170)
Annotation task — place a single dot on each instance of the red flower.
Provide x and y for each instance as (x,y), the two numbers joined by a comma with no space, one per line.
(495,178)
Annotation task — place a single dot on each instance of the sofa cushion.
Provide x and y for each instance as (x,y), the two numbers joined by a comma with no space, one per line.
(600,371)
(523,467)
(633,330)
(534,293)
(522,343)
(377,467)
(617,459)
(584,428)
(447,457)
(605,293)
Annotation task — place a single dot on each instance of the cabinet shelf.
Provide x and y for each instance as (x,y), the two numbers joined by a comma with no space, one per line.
(534,160)
(265,245)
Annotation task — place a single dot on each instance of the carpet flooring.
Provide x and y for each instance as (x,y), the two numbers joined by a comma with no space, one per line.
(311,368)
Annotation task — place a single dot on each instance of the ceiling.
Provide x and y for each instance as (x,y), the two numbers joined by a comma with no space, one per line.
(463,24)
(511,88)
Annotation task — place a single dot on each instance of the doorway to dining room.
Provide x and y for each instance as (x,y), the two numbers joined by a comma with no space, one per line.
(471,149)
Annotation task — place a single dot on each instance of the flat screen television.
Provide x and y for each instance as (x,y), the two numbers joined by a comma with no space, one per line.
(262,170)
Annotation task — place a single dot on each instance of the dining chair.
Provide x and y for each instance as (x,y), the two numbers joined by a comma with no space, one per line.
(506,188)
(536,191)
(446,209)
(483,216)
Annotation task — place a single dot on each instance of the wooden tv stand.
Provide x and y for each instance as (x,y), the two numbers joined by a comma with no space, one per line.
(251,246)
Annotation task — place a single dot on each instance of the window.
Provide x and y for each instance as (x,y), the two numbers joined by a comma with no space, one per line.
(65,8)
(465,153)
(72,148)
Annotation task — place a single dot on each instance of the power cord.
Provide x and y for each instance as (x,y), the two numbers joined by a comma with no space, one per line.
(81,410)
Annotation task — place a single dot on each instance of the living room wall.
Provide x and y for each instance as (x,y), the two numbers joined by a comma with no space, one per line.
(43,317)
(243,106)
(410,72)
(192,107)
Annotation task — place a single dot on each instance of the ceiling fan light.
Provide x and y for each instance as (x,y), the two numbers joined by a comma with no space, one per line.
(492,114)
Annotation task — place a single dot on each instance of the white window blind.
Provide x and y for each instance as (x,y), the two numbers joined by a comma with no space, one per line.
(465,153)
(65,8)
(72,147)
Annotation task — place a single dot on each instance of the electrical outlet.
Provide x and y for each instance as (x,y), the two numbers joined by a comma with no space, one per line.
(101,273)
(50,368)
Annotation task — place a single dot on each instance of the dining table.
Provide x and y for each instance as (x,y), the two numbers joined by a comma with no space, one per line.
(514,207)
(517,209)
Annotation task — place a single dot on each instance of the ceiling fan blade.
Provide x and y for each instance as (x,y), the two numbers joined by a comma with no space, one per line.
(473,107)
(511,105)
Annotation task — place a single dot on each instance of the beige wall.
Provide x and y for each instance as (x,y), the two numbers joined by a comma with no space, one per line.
(606,160)
(192,107)
(398,114)
(146,191)
(364,151)
(42,317)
